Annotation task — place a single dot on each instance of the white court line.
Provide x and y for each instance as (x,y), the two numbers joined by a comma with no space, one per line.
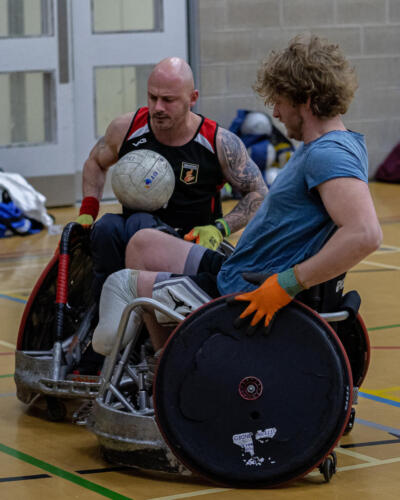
(387,249)
(378,264)
(365,465)
(192,494)
(7,344)
(354,454)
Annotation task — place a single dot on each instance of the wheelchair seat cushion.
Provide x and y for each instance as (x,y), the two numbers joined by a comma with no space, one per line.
(252,411)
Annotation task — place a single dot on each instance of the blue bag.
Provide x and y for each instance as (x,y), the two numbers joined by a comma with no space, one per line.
(13,221)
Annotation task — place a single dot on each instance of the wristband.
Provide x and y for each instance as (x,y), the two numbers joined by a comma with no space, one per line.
(90,206)
(223,227)
(288,281)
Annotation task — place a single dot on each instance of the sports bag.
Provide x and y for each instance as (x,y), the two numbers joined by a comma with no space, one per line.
(13,221)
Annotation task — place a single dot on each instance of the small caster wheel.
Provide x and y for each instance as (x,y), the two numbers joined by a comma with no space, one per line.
(350,422)
(56,409)
(328,467)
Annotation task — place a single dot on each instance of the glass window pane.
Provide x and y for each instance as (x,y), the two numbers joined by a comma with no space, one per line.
(119,90)
(126,15)
(21,18)
(28,111)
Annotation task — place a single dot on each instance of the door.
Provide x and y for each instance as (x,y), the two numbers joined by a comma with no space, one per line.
(36,138)
(67,68)
(116,44)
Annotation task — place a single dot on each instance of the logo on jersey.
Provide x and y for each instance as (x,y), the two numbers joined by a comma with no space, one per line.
(142,141)
(189,173)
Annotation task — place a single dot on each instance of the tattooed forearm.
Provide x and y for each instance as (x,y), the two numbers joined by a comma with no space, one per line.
(243,211)
(244,175)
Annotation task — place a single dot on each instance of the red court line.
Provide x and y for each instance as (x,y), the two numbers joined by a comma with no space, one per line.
(7,353)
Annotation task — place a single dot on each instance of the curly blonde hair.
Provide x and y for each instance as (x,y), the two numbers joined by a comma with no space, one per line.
(309,68)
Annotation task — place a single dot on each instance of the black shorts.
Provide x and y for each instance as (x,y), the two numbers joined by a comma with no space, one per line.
(206,276)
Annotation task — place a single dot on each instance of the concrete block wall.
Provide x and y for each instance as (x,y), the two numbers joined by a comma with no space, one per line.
(235,35)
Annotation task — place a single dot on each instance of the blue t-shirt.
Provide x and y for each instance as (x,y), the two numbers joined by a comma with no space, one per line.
(292,223)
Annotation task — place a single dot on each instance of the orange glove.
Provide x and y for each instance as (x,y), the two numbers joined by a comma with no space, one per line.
(274,293)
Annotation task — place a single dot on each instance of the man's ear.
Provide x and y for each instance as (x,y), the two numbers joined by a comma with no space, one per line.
(193,97)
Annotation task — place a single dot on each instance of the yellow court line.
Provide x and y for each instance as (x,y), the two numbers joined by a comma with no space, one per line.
(378,393)
(378,264)
(7,344)
(17,293)
(192,494)
(388,390)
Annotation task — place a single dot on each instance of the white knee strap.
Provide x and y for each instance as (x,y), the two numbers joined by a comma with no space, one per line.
(180,294)
(119,290)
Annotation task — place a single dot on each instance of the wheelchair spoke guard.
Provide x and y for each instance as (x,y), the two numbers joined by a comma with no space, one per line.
(252,411)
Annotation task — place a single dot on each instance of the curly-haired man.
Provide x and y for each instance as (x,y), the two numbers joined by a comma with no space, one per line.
(310,84)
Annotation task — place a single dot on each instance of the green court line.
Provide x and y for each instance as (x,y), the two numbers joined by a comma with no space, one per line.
(7,376)
(55,471)
(382,327)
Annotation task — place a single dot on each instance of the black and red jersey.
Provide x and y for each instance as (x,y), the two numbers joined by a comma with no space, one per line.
(198,175)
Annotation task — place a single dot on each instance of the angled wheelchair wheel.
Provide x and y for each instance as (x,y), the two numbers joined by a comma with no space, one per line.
(252,411)
(354,336)
(37,327)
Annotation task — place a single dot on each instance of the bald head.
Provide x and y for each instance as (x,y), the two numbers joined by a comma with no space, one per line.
(173,71)
(170,96)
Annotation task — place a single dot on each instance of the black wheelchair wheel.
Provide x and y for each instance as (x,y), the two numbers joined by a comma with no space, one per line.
(354,337)
(252,411)
(36,331)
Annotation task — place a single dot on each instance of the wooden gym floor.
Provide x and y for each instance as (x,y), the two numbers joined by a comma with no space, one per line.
(40,459)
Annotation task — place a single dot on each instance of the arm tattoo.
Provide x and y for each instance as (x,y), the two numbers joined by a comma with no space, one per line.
(243,174)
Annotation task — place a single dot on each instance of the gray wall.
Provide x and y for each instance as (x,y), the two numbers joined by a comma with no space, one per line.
(235,35)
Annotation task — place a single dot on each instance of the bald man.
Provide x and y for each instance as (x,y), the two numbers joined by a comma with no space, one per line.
(193,145)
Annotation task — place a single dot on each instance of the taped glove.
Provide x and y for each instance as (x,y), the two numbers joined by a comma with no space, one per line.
(207,236)
(273,294)
(88,211)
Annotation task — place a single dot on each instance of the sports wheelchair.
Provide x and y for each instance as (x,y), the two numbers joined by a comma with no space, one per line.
(56,328)
(238,410)
(55,332)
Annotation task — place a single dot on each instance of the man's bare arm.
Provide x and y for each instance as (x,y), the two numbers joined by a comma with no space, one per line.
(244,175)
(103,155)
(358,232)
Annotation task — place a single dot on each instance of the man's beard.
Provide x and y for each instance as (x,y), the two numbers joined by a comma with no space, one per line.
(296,130)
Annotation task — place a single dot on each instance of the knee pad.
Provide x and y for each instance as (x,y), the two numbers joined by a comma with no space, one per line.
(181,294)
(119,290)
